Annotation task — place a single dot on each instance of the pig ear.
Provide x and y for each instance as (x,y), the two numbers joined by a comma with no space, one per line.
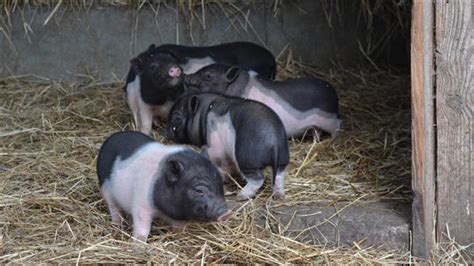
(232,73)
(151,47)
(174,170)
(137,65)
(172,54)
(193,104)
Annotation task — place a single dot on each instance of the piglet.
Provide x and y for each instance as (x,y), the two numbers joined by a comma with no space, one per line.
(301,104)
(239,136)
(154,79)
(151,95)
(145,179)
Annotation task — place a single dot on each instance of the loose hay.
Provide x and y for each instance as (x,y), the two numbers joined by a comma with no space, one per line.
(52,210)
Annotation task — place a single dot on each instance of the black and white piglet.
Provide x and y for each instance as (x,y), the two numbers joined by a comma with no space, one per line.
(152,92)
(301,104)
(145,179)
(155,76)
(238,135)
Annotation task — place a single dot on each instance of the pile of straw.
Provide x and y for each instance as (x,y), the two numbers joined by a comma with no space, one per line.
(51,209)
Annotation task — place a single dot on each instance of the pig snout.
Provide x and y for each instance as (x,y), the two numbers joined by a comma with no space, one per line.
(209,212)
(225,216)
(222,212)
(174,72)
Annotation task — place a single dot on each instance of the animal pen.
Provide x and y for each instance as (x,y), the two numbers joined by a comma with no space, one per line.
(394,187)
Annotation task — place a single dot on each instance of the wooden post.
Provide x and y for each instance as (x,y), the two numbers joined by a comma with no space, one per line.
(455,125)
(423,131)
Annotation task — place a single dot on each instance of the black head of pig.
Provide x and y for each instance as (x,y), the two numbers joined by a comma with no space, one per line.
(220,78)
(187,119)
(184,121)
(190,188)
(159,67)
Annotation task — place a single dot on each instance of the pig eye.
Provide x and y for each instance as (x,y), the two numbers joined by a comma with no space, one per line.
(197,191)
(173,128)
(154,67)
(208,76)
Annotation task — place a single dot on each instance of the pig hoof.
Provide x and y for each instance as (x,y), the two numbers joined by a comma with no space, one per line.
(117,223)
(225,216)
(336,134)
(243,197)
(139,239)
(116,220)
(278,196)
(178,228)
(156,122)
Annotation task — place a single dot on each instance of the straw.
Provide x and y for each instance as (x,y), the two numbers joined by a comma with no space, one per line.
(52,209)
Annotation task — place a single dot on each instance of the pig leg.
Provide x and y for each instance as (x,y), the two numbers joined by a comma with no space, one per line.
(223,172)
(226,168)
(141,224)
(254,180)
(133,94)
(337,130)
(114,209)
(330,125)
(317,134)
(279,184)
(146,118)
(217,161)
(333,127)
(156,122)
(132,100)
(178,227)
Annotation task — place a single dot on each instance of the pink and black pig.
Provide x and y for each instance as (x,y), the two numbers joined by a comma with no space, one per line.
(154,83)
(145,179)
(239,136)
(301,104)
(155,77)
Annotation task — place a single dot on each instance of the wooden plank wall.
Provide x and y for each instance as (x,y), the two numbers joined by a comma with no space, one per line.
(423,131)
(455,125)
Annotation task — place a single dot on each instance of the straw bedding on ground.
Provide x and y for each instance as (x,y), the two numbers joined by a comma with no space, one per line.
(52,210)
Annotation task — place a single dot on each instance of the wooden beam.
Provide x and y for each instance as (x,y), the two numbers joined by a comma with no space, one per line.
(423,132)
(455,134)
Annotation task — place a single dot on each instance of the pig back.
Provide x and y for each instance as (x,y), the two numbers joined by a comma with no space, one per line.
(247,55)
(260,134)
(119,145)
(257,119)
(304,94)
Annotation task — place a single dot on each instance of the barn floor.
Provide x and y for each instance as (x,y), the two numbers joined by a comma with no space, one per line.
(51,209)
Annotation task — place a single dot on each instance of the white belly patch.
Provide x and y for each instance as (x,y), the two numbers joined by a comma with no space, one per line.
(296,122)
(221,141)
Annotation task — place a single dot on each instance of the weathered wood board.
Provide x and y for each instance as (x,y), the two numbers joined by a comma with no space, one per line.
(455,124)
(423,135)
